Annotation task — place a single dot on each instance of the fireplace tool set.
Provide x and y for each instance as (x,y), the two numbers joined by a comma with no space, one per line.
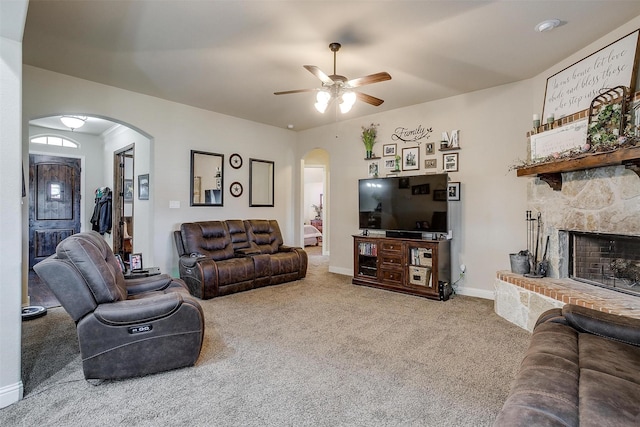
(537,268)
(526,261)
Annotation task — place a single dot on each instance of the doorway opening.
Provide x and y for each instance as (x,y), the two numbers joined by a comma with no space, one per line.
(316,201)
(123,167)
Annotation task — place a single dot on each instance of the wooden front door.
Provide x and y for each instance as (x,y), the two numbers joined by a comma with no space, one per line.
(54,203)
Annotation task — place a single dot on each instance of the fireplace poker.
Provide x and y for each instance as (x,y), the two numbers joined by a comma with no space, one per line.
(543,267)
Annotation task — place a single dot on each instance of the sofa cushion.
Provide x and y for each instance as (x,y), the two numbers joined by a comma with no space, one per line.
(209,238)
(265,234)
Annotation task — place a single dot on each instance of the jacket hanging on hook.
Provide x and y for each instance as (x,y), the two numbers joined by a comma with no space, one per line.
(101,220)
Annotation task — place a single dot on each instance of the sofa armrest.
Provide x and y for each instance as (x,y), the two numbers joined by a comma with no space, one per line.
(287,248)
(145,284)
(607,325)
(552,315)
(246,252)
(191,260)
(138,310)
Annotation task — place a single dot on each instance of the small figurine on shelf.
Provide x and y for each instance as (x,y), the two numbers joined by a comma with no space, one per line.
(397,169)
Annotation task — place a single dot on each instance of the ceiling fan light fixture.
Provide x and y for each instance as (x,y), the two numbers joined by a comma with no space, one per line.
(73,122)
(348,99)
(322,101)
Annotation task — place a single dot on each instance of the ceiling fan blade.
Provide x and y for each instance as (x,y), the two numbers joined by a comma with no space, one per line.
(367,80)
(369,99)
(286,92)
(318,73)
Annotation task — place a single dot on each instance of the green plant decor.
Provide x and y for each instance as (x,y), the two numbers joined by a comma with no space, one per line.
(369,134)
(604,132)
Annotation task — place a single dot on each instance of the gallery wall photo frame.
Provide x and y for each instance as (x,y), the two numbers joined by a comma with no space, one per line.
(143,187)
(450,162)
(374,169)
(453,191)
(410,159)
(429,148)
(430,163)
(389,150)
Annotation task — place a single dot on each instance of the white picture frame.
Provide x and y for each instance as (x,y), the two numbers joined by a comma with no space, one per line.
(450,162)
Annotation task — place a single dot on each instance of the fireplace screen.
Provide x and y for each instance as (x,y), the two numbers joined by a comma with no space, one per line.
(607,260)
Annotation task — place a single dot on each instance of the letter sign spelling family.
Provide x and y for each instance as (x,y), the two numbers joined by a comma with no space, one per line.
(411,135)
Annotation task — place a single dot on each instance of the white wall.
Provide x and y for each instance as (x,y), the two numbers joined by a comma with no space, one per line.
(12,17)
(488,221)
(176,129)
(143,210)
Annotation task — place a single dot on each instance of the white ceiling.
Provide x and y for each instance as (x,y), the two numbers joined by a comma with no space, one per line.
(230,56)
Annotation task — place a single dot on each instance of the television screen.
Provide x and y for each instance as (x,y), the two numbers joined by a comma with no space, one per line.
(404,203)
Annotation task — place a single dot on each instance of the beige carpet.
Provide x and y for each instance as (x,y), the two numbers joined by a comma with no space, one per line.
(317,352)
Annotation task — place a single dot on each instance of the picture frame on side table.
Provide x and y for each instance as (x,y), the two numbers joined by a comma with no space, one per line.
(388,150)
(453,191)
(410,159)
(450,162)
(135,262)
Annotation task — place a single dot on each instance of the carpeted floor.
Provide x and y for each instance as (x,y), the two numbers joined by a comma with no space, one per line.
(317,352)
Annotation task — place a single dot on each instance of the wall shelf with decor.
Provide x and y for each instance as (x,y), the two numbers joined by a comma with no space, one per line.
(372,158)
(551,173)
(450,149)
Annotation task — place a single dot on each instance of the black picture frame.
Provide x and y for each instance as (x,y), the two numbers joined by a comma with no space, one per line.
(135,262)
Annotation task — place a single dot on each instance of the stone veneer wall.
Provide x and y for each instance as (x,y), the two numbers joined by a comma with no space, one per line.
(522,300)
(605,200)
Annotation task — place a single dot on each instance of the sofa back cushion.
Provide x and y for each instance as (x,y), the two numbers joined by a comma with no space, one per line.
(92,257)
(238,233)
(209,238)
(264,234)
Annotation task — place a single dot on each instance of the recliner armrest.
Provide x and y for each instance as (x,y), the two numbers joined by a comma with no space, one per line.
(286,248)
(145,284)
(612,326)
(138,310)
(191,260)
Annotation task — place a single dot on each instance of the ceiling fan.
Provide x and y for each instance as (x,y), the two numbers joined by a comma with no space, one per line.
(337,87)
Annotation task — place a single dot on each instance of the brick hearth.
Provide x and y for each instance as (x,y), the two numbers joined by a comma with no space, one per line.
(521,300)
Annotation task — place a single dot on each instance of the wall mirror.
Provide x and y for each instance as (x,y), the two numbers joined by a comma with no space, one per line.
(261,182)
(206,178)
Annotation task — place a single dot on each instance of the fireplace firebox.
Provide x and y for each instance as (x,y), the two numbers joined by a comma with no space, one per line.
(607,260)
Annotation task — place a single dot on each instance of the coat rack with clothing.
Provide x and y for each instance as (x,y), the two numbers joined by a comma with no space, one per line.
(101,220)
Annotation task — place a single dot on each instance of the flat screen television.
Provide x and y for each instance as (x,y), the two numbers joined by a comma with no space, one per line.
(404,203)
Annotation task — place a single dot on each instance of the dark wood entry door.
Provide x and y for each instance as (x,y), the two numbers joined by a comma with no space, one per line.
(54,203)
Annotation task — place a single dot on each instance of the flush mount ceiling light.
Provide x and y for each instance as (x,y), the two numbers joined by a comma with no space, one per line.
(338,88)
(73,122)
(547,25)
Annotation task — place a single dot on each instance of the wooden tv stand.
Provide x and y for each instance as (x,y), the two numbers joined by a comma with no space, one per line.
(413,266)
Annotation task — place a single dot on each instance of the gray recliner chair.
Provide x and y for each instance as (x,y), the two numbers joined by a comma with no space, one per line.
(126,328)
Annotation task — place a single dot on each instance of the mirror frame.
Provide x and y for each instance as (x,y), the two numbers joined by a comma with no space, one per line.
(192,175)
(253,192)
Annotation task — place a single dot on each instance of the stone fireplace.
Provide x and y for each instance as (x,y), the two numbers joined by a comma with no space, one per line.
(600,205)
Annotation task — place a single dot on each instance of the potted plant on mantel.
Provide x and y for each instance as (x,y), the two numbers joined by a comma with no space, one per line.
(369,134)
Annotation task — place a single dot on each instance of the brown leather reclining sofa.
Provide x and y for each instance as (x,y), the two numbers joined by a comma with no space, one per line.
(582,369)
(223,257)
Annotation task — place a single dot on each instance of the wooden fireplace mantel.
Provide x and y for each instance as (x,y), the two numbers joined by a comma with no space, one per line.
(551,173)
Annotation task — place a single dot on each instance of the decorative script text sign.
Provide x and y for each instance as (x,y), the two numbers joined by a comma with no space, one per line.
(572,89)
(411,135)
(559,140)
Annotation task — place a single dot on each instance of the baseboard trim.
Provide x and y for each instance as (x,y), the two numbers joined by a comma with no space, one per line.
(10,394)
(474,292)
(340,270)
